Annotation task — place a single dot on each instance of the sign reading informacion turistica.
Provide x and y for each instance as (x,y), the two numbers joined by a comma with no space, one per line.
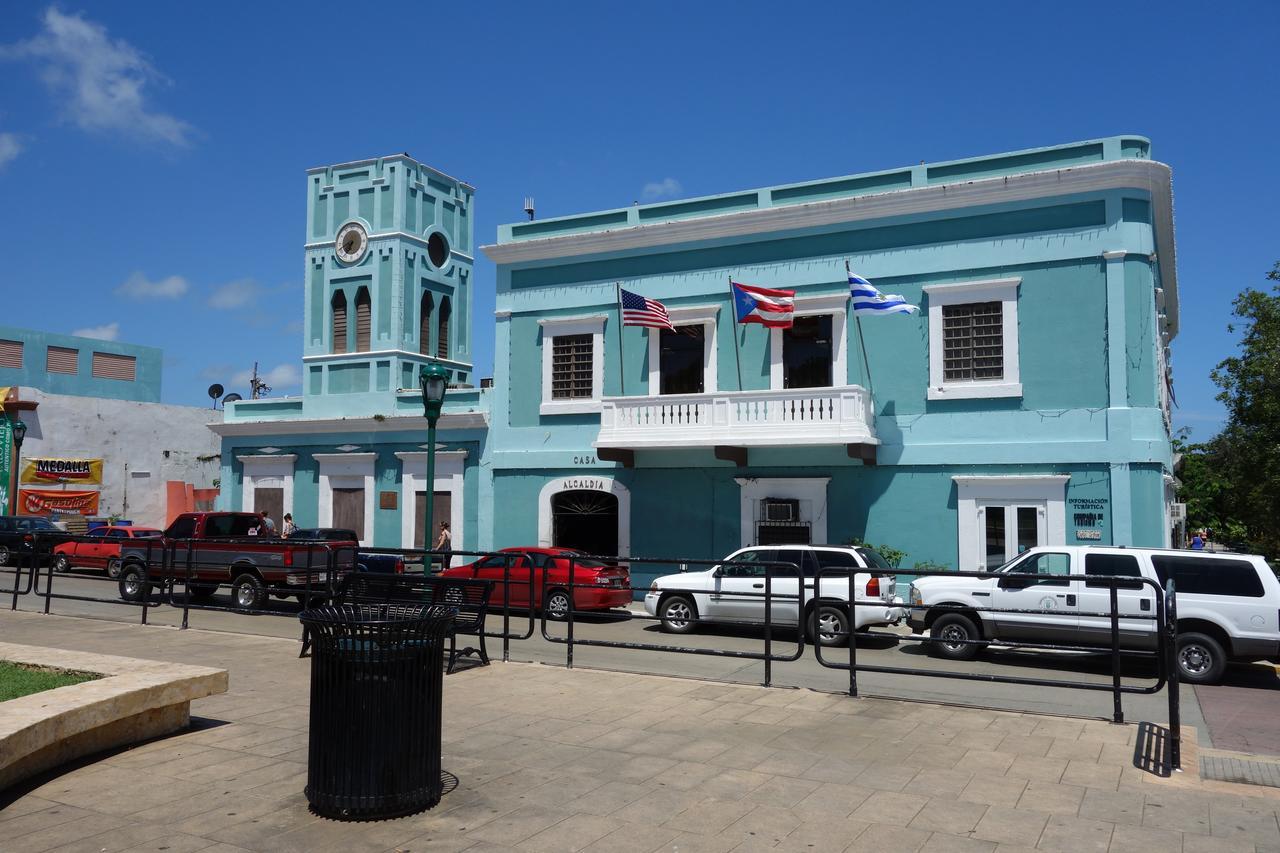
(39,470)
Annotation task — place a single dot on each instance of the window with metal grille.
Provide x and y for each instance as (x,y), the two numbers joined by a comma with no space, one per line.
(111,366)
(973,342)
(571,367)
(339,305)
(61,360)
(442,331)
(10,353)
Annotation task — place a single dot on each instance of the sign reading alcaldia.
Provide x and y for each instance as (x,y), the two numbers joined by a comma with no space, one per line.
(37,470)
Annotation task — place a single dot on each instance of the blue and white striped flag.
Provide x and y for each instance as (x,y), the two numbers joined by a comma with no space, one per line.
(868,300)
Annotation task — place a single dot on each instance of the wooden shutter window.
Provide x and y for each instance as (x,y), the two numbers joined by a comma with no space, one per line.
(108,365)
(442,335)
(363,320)
(339,305)
(10,353)
(424,324)
(62,360)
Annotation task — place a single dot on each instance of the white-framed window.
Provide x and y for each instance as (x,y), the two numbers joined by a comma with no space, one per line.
(998,518)
(973,339)
(807,494)
(262,471)
(813,353)
(572,364)
(346,492)
(684,361)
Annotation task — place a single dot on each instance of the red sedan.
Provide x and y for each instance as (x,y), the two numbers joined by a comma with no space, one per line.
(597,585)
(99,549)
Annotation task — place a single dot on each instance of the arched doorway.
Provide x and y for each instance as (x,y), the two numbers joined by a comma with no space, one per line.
(586,520)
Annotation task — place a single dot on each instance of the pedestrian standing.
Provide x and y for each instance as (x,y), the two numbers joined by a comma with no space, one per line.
(1197,541)
(266,527)
(444,544)
(289,527)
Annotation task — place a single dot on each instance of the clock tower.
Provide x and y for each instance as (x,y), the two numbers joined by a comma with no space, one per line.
(388,276)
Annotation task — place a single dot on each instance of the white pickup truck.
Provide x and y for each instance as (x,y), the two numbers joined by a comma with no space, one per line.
(734,591)
(1228,605)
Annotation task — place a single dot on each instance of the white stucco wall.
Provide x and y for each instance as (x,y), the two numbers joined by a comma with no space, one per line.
(142,446)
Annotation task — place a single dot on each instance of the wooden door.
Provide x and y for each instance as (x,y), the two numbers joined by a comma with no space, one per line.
(348,510)
(441,510)
(271,500)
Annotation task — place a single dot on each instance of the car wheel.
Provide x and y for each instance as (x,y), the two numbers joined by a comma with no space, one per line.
(948,636)
(61,563)
(678,615)
(113,568)
(557,605)
(248,592)
(202,591)
(133,585)
(4,555)
(1201,659)
(828,626)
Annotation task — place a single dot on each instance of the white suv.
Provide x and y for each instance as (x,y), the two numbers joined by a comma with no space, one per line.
(734,592)
(1228,605)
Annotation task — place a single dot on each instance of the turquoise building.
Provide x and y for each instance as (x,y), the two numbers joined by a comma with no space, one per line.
(388,262)
(79,366)
(1026,403)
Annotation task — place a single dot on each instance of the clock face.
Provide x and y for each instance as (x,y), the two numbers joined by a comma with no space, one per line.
(352,242)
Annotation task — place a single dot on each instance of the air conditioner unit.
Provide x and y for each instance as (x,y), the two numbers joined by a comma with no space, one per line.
(1178,512)
(776,509)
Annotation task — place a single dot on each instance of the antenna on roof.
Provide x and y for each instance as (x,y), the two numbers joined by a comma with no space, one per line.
(215,391)
(528,206)
(256,386)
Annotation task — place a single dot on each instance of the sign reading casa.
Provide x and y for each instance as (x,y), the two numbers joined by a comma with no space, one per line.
(87,471)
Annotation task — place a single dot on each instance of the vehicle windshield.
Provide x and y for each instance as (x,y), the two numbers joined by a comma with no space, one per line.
(874,559)
(1011,566)
(230,525)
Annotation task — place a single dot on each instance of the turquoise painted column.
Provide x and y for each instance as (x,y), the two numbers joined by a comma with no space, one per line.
(1119,428)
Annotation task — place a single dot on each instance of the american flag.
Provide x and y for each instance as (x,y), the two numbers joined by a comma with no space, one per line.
(639,311)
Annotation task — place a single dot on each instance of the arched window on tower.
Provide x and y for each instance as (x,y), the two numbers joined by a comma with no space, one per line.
(363,320)
(424,323)
(339,306)
(442,334)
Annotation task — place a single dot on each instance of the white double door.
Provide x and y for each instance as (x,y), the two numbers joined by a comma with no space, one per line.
(1007,528)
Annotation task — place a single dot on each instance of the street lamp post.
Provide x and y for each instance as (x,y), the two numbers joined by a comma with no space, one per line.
(433,378)
(19,433)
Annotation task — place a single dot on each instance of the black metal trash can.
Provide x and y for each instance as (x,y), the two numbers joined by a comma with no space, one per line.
(377,679)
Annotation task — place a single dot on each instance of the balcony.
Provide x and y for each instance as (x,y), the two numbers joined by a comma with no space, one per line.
(732,421)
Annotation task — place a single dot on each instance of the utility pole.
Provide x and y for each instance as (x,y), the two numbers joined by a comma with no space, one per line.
(256,386)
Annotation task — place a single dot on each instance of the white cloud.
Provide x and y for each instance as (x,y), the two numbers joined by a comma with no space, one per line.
(100,82)
(105,332)
(235,294)
(279,377)
(10,147)
(138,286)
(665,188)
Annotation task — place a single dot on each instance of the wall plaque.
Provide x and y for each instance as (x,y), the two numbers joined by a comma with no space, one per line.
(387,500)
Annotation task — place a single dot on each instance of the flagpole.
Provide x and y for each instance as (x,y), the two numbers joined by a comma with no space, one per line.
(857,323)
(737,354)
(622,361)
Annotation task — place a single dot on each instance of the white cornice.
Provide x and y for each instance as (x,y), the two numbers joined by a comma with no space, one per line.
(1146,175)
(415,423)
(344,457)
(262,457)
(421,455)
(384,353)
(1015,479)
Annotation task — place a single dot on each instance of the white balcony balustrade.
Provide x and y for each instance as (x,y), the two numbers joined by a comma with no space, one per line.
(793,417)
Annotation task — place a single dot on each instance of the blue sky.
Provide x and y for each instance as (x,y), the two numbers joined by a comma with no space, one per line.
(152,154)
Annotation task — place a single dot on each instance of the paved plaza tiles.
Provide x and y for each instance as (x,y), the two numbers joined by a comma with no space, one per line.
(549,759)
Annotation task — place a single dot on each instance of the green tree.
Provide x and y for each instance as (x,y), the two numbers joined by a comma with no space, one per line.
(1247,455)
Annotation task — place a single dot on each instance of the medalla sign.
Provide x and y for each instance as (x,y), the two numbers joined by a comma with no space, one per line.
(87,471)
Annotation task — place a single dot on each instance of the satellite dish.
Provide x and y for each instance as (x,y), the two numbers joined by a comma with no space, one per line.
(215,391)
(231,398)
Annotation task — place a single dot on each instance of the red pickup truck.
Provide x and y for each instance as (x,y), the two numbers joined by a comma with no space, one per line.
(222,548)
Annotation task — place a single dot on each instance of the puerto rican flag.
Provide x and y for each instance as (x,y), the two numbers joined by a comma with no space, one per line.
(764,305)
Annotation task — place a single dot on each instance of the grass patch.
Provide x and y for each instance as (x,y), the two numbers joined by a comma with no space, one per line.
(18,679)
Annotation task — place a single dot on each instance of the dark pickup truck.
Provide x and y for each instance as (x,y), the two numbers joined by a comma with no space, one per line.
(222,548)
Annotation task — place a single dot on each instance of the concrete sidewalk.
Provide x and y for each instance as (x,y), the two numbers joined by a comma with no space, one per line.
(554,760)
